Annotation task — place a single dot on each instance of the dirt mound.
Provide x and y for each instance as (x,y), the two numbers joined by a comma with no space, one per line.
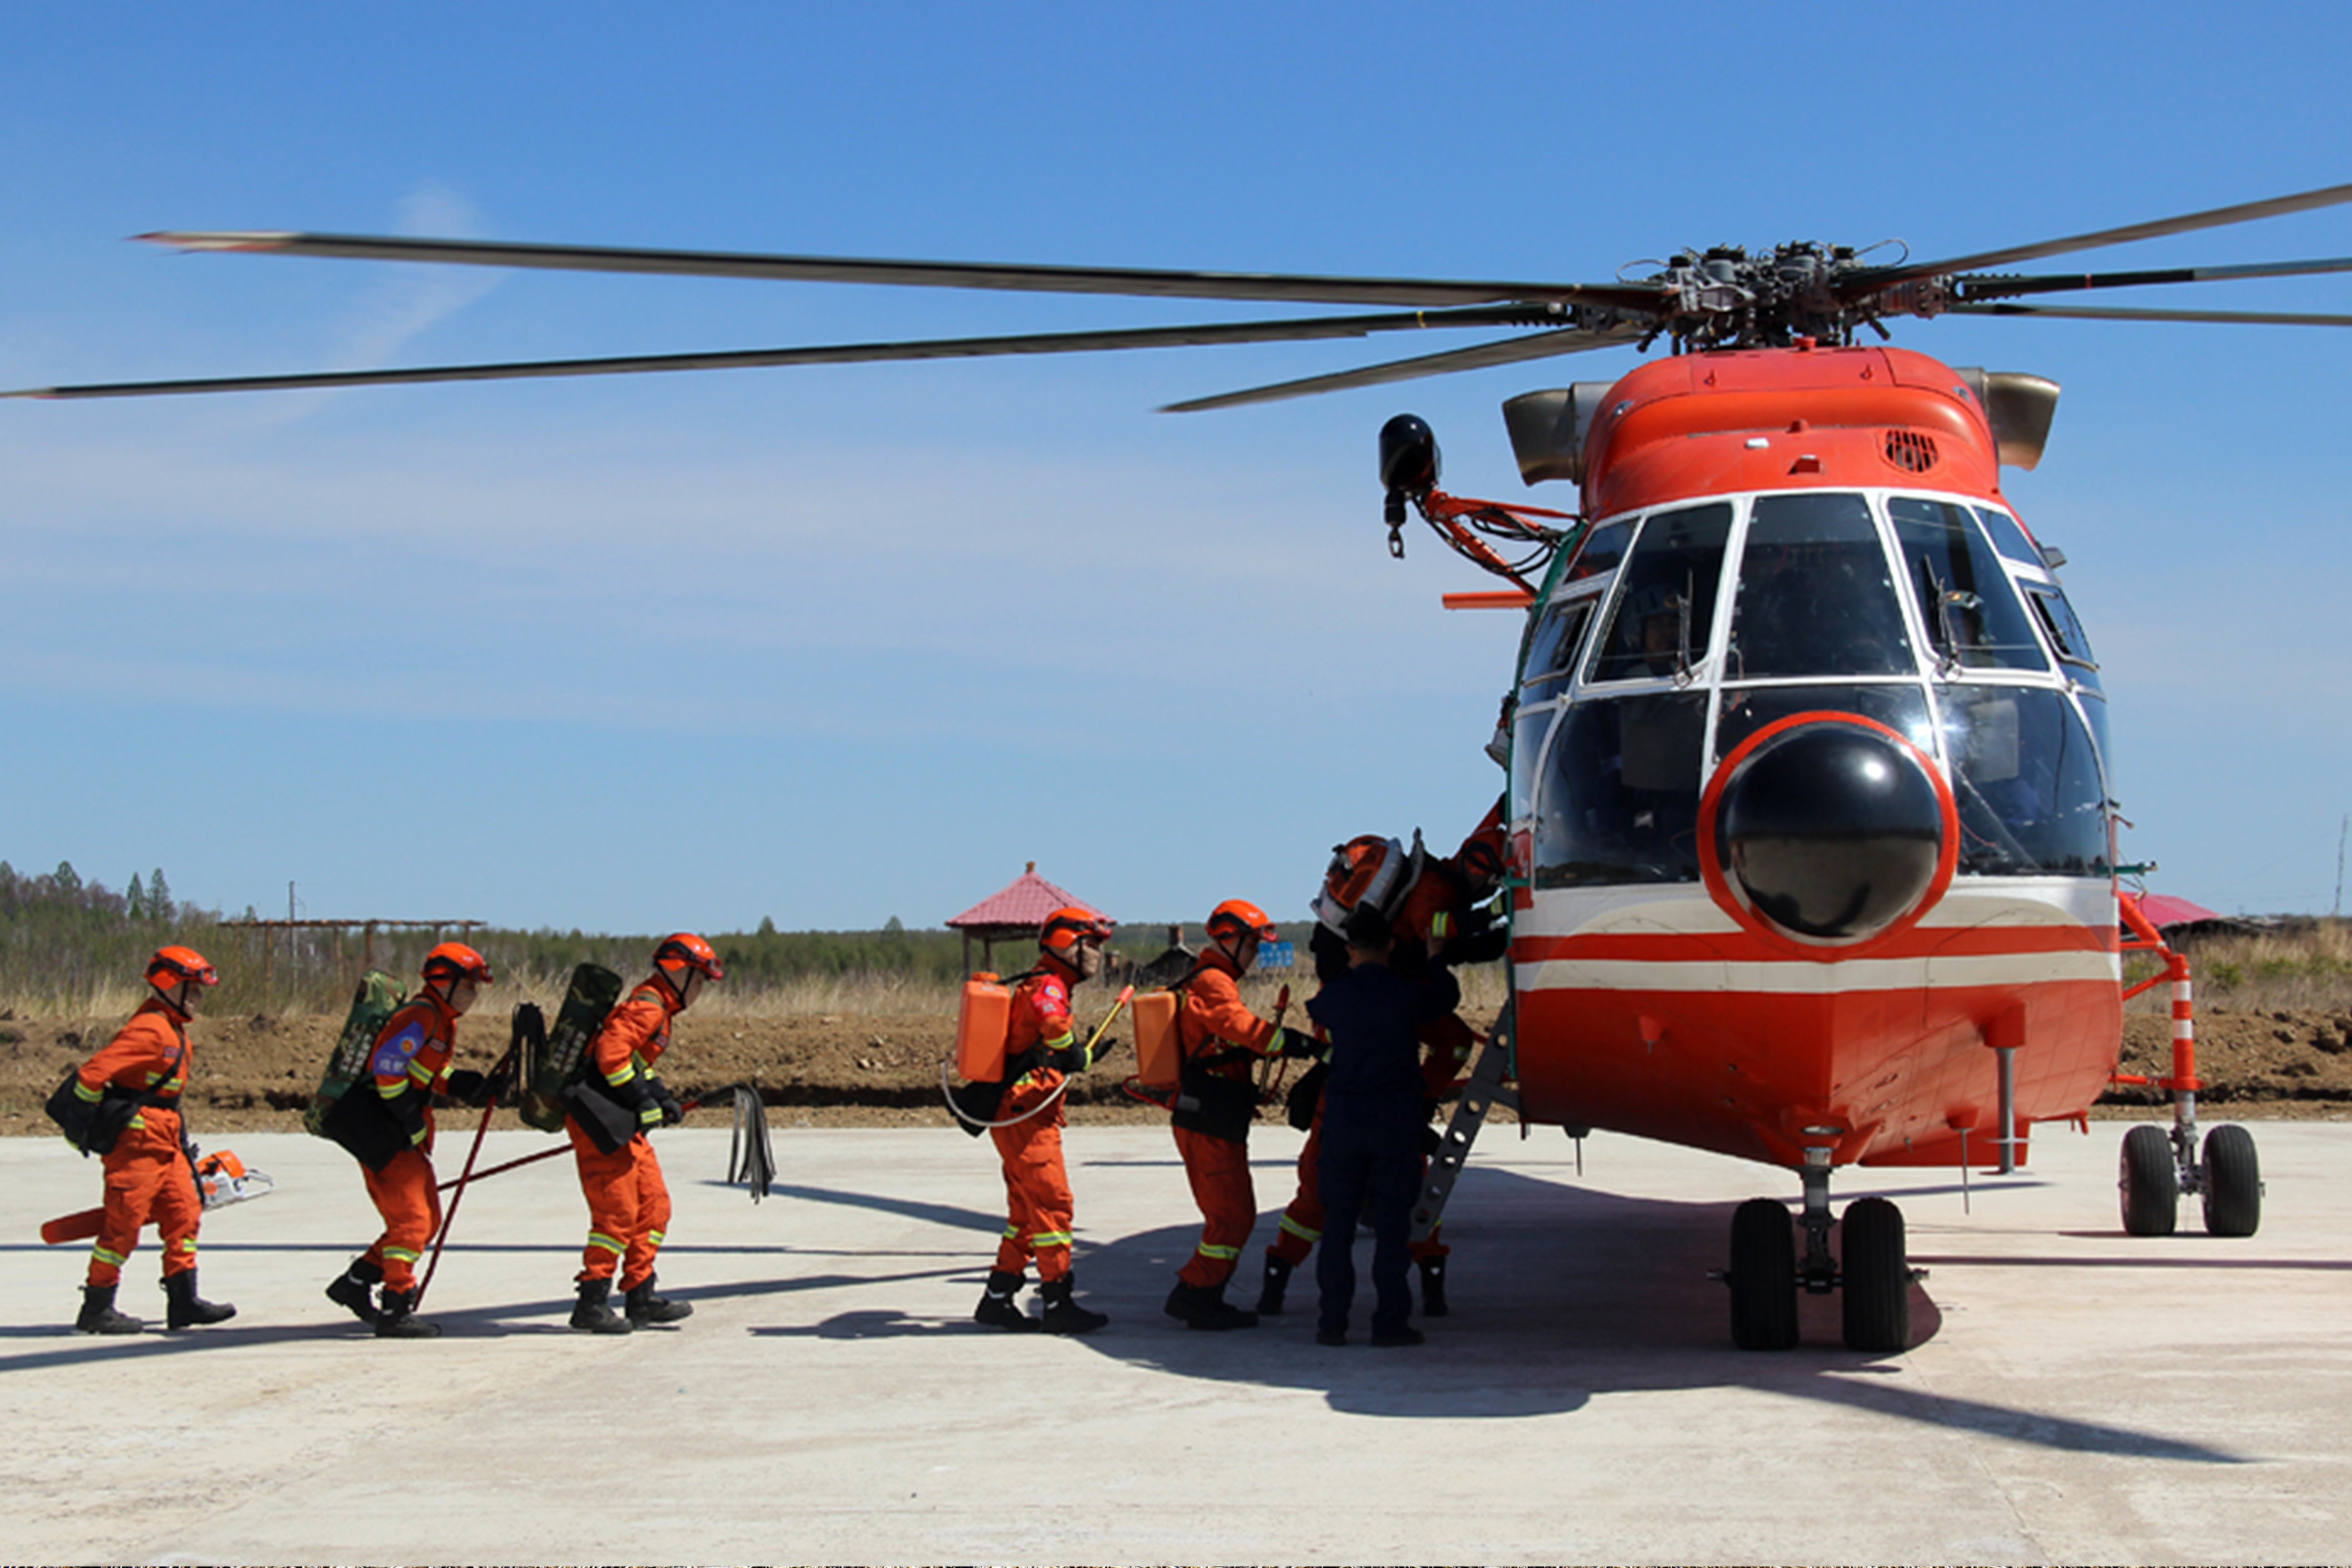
(880,1069)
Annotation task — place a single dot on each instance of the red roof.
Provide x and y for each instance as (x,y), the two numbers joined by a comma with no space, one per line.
(2162,910)
(1026,902)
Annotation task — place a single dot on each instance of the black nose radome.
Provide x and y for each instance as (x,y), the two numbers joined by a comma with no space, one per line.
(1832,830)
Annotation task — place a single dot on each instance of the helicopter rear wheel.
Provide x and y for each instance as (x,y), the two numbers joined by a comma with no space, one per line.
(1763,1277)
(2233,1182)
(2149,1183)
(1876,1277)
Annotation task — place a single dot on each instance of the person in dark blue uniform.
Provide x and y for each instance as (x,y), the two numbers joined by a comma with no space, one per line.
(1372,1123)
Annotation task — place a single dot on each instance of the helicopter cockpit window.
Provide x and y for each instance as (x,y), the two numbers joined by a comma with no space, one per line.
(2008,537)
(1972,614)
(1665,609)
(1747,709)
(2026,782)
(2065,632)
(1619,796)
(1816,596)
(1551,652)
(1602,549)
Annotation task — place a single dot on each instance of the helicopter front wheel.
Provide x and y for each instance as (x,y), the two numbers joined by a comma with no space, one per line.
(1763,1277)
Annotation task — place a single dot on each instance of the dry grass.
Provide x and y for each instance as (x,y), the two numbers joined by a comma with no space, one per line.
(2308,969)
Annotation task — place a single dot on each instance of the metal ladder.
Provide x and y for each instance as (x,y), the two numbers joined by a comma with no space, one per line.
(1484,1092)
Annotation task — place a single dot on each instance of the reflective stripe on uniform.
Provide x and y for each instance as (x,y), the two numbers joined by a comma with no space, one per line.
(598,1238)
(1300,1231)
(1050,1238)
(1012,1231)
(82,1091)
(1205,1250)
(403,1254)
(654,1237)
(103,1256)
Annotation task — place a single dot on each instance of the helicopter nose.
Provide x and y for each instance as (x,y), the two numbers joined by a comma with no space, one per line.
(1829,831)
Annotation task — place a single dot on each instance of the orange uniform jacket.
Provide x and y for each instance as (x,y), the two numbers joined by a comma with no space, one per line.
(1213,1020)
(1036,1184)
(628,1201)
(412,1061)
(150,1057)
(632,1040)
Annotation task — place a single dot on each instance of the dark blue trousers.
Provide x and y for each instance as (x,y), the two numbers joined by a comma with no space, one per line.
(1369,1170)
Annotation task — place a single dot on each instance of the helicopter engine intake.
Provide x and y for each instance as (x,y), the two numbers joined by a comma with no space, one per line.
(1829,831)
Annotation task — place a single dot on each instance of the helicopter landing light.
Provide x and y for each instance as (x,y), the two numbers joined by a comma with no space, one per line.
(1757,443)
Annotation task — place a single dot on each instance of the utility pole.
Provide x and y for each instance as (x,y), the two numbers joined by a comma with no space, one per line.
(2342,828)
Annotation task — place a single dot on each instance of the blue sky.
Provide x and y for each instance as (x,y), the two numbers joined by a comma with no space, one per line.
(834,645)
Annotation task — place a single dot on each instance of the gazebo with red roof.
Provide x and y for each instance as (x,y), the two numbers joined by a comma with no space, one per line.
(1020,911)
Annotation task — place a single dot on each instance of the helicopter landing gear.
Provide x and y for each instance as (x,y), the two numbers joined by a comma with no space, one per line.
(2159,1170)
(1766,1273)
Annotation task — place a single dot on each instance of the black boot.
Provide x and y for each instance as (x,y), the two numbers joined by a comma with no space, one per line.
(99,1316)
(1205,1307)
(644,1307)
(186,1309)
(1277,1280)
(1064,1315)
(354,1289)
(398,1321)
(1432,1287)
(997,1309)
(593,1313)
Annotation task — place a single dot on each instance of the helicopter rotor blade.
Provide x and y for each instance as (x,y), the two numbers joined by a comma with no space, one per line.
(2123,313)
(1298,288)
(1873,278)
(1510,351)
(1304,330)
(1979,289)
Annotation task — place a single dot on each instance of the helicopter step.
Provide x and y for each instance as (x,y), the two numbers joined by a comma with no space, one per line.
(1766,1274)
(1485,1090)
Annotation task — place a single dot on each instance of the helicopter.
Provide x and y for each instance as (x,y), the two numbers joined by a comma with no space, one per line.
(1812,833)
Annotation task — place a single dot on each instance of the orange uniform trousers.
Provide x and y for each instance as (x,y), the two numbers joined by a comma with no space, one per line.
(1036,1187)
(628,1208)
(147,1178)
(404,1194)
(1219,1171)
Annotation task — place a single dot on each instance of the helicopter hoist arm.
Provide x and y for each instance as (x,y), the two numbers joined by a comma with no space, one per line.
(1460,519)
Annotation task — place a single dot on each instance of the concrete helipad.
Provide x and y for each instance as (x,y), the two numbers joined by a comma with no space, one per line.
(2076,1395)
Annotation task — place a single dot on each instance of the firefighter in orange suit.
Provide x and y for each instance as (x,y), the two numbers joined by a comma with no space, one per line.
(1041,1048)
(125,1104)
(1221,1041)
(385,1121)
(628,1202)
(1433,904)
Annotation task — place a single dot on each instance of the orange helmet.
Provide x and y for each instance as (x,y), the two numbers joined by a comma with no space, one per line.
(1368,869)
(1239,917)
(171,965)
(1065,931)
(684,950)
(453,961)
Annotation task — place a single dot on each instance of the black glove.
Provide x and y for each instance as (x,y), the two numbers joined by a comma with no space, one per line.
(1102,1048)
(501,1078)
(672,1112)
(1299,1044)
(464,1085)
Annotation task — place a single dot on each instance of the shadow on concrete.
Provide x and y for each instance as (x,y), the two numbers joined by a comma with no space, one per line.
(1560,1293)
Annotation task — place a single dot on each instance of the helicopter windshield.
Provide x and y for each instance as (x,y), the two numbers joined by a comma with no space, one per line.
(2008,536)
(1602,549)
(1816,596)
(1619,796)
(1972,615)
(2049,601)
(1745,710)
(1665,610)
(2026,782)
(1551,652)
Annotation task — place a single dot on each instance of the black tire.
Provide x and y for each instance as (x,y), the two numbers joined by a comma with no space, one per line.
(1763,1277)
(2150,1183)
(2233,1182)
(1876,1287)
